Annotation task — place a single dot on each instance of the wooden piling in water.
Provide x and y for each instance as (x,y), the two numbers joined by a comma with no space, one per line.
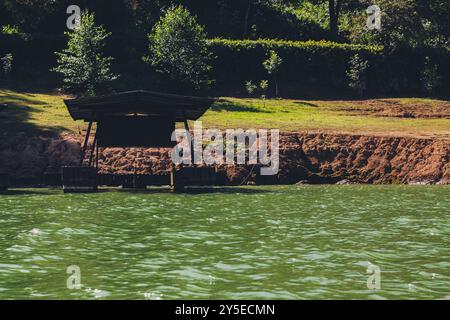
(4,181)
(79,179)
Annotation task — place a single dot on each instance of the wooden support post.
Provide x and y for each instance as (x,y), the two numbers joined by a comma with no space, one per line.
(94,146)
(86,141)
(191,140)
(96,158)
(79,179)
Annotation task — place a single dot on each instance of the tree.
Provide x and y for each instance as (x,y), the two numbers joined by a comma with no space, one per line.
(406,23)
(82,64)
(36,15)
(178,48)
(272,65)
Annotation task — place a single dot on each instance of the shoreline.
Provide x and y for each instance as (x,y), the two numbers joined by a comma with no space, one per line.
(305,158)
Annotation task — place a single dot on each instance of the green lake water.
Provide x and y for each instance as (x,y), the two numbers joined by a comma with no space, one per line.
(287,242)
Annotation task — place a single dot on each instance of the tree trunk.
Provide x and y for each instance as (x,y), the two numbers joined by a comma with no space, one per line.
(334,8)
(247,14)
(276,85)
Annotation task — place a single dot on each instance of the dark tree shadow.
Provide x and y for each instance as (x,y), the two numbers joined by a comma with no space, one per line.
(307,104)
(16,114)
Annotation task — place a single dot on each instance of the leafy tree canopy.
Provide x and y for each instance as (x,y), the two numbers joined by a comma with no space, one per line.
(178,47)
(84,68)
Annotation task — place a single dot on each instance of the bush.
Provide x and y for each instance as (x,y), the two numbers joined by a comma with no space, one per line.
(324,65)
(313,63)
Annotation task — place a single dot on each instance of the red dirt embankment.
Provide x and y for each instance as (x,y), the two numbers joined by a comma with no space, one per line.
(304,157)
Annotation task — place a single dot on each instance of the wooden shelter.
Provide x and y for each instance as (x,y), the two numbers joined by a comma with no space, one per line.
(129,119)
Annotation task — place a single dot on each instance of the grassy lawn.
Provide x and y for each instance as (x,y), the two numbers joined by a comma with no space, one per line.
(35,112)
(329,116)
(47,112)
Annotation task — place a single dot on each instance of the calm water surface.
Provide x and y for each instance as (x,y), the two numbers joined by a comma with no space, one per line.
(305,242)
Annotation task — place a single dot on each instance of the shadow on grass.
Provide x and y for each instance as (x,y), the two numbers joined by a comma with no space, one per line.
(233,107)
(17,112)
(307,104)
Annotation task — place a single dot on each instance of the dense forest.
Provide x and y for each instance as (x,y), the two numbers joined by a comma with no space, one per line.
(321,43)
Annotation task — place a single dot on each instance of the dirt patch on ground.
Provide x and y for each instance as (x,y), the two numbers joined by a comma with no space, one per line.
(395,108)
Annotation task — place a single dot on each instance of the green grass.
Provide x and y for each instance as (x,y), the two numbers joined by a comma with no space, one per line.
(46,112)
(297,115)
(35,112)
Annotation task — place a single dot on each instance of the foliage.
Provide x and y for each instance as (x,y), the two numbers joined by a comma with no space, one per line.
(264,85)
(357,74)
(178,48)
(84,68)
(324,64)
(272,65)
(32,15)
(430,76)
(250,87)
(405,23)
(253,88)
(7,63)
(275,44)
(9,29)
(273,62)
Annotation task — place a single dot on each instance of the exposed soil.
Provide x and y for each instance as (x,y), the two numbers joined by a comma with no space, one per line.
(394,108)
(304,158)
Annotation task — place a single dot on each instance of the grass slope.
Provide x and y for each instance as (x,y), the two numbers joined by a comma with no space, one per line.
(29,111)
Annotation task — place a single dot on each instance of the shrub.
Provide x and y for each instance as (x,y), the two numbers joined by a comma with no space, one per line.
(314,63)
(323,65)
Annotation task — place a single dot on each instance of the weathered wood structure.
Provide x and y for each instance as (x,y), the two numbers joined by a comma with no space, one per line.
(132,119)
